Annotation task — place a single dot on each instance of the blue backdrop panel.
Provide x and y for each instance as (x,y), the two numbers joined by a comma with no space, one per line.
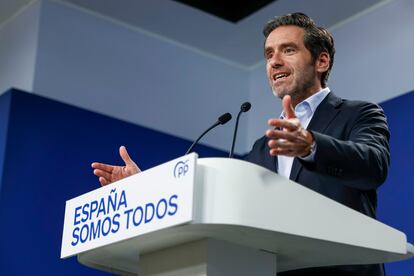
(395,199)
(50,146)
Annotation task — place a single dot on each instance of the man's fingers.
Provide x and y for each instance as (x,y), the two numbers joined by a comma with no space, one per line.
(285,152)
(282,147)
(281,144)
(103,181)
(290,125)
(279,134)
(288,108)
(100,173)
(102,166)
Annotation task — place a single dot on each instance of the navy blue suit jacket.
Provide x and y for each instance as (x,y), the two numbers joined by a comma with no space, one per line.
(351,161)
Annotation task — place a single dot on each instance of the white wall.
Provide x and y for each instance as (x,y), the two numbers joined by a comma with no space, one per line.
(18,46)
(375,54)
(93,63)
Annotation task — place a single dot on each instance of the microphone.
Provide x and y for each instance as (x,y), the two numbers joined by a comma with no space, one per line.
(220,121)
(243,108)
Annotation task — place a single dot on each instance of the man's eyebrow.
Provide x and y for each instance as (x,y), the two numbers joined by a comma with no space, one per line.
(267,49)
(288,44)
(281,46)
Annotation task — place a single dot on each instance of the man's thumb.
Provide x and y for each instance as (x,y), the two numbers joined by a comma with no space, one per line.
(288,108)
(125,156)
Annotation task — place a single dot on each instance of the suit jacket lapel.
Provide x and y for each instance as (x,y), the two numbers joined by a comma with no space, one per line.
(323,116)
(273,159)
(276,164)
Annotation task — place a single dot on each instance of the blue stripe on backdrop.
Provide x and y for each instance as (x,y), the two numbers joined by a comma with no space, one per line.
(395,197)
(49,151)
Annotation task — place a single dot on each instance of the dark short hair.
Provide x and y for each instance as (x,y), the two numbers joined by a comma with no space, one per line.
(316,39)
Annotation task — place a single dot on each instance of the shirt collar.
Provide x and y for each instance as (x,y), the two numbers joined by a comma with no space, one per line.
(311,103)
(314,100)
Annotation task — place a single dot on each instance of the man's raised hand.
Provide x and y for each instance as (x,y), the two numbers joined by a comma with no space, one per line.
(287,136)
(109,173)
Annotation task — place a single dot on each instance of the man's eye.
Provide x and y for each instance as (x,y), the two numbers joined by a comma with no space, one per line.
(269,55)
(289,50)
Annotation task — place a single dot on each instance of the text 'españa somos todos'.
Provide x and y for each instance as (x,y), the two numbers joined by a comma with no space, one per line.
(111,213)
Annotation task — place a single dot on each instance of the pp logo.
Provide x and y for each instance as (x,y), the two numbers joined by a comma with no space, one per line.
(180,169)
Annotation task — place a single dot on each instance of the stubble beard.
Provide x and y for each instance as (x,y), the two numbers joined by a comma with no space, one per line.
(300,89)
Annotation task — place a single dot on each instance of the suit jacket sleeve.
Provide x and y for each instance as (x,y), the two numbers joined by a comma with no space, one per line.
(359,150)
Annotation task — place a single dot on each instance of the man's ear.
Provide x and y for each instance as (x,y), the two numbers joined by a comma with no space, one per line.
(322,63)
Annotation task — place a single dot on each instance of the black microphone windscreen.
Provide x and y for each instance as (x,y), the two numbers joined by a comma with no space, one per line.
(224,118)
(245,107)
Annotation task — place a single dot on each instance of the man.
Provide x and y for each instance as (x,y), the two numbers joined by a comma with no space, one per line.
(336,147)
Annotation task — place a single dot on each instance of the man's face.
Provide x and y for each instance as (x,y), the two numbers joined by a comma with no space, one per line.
(289,65)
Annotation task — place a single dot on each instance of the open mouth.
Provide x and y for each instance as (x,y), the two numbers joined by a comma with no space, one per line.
(280,76)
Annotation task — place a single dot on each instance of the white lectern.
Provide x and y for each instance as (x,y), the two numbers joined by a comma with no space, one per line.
(245,220)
